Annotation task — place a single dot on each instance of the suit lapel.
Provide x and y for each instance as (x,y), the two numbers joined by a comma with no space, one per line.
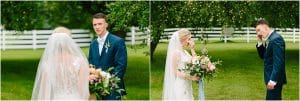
(268,42)
(97,48)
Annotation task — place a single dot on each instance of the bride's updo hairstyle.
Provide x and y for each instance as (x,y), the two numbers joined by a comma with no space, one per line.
(62,36)
(183,33)
(62,30)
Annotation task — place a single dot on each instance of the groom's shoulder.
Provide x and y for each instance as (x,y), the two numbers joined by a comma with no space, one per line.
(114,37)
(276,36)
(94,41)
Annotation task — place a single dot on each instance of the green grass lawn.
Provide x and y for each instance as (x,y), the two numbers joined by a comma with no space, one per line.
(239,78)
(18,68)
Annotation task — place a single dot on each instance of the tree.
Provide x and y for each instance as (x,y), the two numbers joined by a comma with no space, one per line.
(282,14)
(24,15)
(28,15)
(21,15)
(125,14)
(196,14)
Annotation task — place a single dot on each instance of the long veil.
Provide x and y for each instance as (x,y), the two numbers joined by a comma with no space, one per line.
(63,69)
(169,78)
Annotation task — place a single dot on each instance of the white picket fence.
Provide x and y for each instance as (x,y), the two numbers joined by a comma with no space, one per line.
(10,39)
(246,34)
(38,38)
(35,39)
(137,36)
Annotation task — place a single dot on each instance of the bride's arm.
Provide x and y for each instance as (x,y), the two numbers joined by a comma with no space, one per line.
(175,60)
(192,46)
(41,89)
(43,86)
(186,76)
(193,52)
(83,82)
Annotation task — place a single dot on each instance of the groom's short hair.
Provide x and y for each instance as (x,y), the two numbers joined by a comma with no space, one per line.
(100,16)
(262,22)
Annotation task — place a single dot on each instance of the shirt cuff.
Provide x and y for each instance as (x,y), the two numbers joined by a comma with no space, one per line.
(273,82)
(259,44)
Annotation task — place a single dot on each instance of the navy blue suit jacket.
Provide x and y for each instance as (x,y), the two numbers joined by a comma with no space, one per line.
(274,59)
(114,54)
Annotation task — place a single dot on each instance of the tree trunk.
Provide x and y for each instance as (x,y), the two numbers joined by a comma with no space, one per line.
(152,49)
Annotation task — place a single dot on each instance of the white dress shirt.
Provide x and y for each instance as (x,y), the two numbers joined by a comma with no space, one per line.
(101,42)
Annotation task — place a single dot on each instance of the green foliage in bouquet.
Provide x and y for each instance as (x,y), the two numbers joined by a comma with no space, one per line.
(102,83)
(201,66)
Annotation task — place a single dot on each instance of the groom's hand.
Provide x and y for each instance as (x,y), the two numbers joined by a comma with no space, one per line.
(259,38)
(270,86)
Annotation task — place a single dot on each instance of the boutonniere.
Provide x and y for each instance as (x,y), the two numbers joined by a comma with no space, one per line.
(107,45)
(267,43)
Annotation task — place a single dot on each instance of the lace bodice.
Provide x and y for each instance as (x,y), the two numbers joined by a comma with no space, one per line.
(66,80)
(62,71)
(185,57)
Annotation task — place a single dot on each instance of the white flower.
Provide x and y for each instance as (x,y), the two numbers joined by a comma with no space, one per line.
(204,60)
(195,61)
(106,77)
(107,45)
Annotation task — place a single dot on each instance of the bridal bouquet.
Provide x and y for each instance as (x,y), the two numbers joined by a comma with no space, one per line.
(103,83)
(201,66)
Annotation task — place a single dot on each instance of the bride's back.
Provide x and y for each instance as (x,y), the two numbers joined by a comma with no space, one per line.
(63,70)
(66,68)
(65,80)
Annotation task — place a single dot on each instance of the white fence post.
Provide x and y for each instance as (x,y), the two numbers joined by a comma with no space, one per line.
(132,35)
(34,39)
(225,38)
(3,40)
(248,35)
(201,30)
(148,37)
(1,32)
(294,36)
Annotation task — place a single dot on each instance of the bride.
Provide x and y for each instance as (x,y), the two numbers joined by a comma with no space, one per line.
(63,70)
(177,84)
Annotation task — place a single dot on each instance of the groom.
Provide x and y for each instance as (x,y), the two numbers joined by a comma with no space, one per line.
(107,51)
(273,53)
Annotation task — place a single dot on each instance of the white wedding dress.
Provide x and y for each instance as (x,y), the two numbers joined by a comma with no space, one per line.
(175,86)
(64,87)
(62,72)
(183,87)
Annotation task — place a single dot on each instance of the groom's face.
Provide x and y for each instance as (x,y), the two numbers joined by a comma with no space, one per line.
(99,26)
(262,30)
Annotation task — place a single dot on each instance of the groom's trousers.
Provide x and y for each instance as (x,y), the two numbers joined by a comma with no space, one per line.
(274,94)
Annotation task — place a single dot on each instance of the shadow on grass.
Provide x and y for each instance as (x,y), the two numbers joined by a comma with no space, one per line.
(17,77)
(18,70)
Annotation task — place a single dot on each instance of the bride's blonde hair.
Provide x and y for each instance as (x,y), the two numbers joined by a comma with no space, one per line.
(62,30)
(183,33)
